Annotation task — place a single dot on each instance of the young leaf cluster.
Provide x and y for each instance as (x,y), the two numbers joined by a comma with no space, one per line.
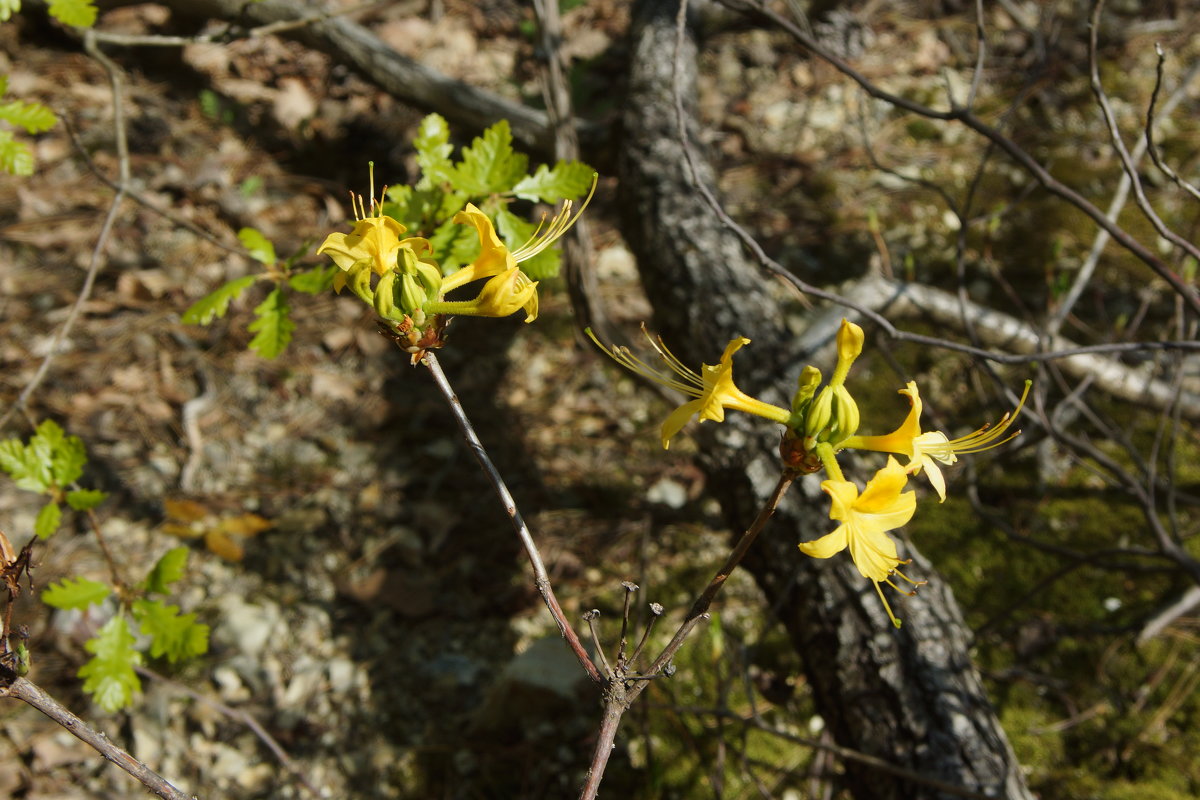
(49,464)
(272,326)
(15,156)
(147,624)
(490,174)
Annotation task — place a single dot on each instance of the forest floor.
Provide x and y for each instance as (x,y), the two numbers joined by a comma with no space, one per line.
(385,629)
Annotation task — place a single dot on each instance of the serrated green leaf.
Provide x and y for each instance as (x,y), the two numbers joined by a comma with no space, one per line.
(7,9)
(48,520)
(108,675)
(274,326)
(168,570)
(177,636)
(516,232)
(433,152)
(67,460)
(314,281)
(566,180)
(215,304)
(33,117)
(75,593)
(27,467)
(15,157)
(80,13)
(489,165)
(84,499)
(454,245)
(258,246)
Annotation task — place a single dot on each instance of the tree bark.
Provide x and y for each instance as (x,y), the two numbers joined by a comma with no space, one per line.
(909,696)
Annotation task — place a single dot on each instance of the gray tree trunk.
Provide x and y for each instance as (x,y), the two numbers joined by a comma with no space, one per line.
(908,696)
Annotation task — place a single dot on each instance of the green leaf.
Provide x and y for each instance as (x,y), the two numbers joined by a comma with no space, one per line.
(177,636)
(515,232)
(489,165)
(7,9)
(68,457)
(14,5)
(274,326)
(27,467)
(84,499)
(109,675)
(566,180)
(33,117)
(15,157)
(47,521)
(217,303)
(454,245)
(259,246)
(75,593)
(314,281)
(168,570)
(433,152)
(80,13)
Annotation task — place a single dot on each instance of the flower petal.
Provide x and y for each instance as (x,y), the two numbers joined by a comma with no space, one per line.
(828,545)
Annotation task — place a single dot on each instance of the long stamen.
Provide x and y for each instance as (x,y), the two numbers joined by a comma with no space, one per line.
(673,363)
(886,607)
(985,438)
(627,359)
(559,224)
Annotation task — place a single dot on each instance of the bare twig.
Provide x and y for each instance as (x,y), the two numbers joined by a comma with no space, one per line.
(1158,82)
(1118,143)
(623,689)
(542,578)
(96,263)
(843,753)
(245,718)
(33,694)
(965,117)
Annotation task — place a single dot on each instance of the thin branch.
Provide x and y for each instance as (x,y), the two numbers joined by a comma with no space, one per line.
(702,603)
(96,263)
(32,694)
(844,753)
(510,507)
(965,117)
(1158,82)
(243,717)
(1114,134)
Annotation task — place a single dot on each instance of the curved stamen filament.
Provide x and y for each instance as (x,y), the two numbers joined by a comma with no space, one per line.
(559,224)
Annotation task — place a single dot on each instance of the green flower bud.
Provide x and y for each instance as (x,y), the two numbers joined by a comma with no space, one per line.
(385,296)
(845,415)
(412,296)
(819,415)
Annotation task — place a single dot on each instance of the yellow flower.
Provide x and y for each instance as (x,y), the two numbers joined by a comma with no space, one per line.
(712,388)
(373,246)
(494,259)
(501,295)
(926,449)
(866,518)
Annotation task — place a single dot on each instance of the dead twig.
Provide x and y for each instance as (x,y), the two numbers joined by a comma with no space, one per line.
(35,696)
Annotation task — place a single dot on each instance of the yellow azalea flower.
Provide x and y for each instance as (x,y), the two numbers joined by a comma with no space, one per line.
(712,388)
(495,258)
(374,245)
(503,294)
(866,518)
(926,449)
